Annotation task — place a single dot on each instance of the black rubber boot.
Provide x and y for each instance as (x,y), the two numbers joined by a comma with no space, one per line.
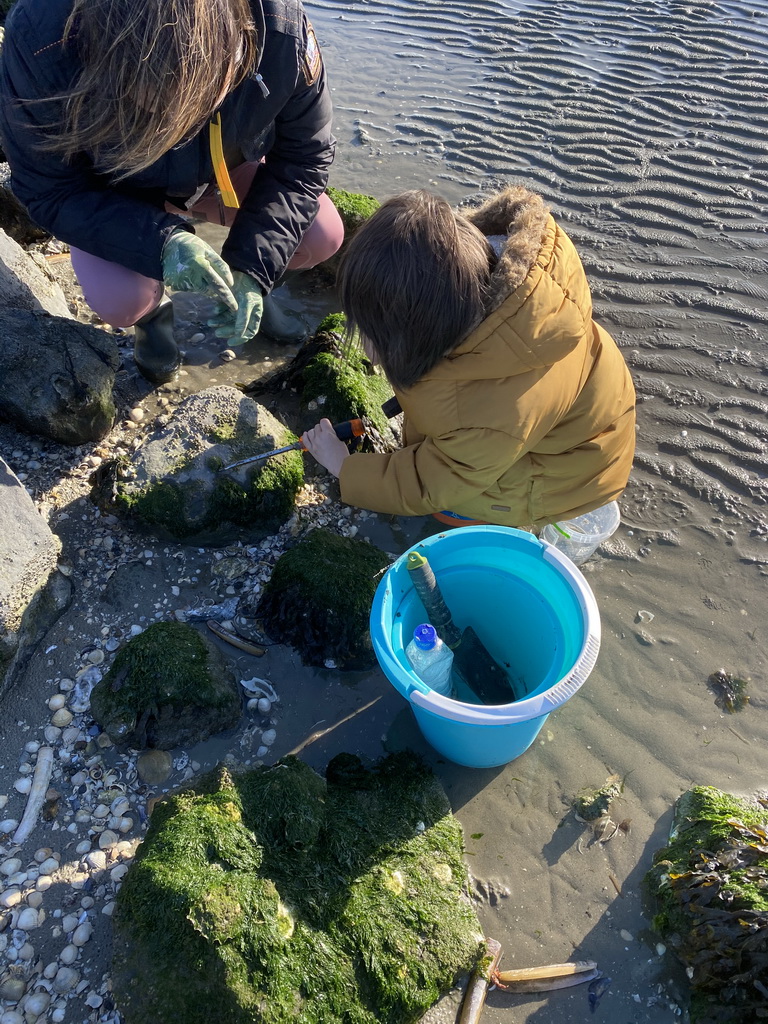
(154,347)
(281,325)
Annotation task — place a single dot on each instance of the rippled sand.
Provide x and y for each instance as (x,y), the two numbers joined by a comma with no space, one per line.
(645,126)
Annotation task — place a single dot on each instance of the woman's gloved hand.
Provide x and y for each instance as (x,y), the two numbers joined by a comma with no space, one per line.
(191,265)
(240,325)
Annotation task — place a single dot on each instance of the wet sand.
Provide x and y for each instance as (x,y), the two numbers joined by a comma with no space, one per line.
(646,129)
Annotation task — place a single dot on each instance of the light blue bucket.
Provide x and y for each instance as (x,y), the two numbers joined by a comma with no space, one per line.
(532,609)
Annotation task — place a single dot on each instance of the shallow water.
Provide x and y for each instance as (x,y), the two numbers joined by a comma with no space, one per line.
(645,126)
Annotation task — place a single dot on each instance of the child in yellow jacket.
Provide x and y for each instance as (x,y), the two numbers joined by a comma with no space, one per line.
(519,408)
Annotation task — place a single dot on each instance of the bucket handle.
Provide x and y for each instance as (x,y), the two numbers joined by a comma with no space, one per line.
(520,710)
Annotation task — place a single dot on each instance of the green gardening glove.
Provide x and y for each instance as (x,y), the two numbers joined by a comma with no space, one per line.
(241,325)
(191,265)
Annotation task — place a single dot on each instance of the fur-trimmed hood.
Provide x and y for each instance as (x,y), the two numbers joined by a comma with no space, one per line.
(522,217)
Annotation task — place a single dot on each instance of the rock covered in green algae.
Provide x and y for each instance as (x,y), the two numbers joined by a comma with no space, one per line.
(711,887)
(344,385)
(277,896)
(354,208)
(319,599)
(167,687)
(173,481)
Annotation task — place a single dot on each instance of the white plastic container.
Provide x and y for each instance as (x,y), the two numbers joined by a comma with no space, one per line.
(580,537)
(431,659)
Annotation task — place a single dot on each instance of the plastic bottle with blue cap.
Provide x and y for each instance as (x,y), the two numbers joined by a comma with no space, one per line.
(431,659)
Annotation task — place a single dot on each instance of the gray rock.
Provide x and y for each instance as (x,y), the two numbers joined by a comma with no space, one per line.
(174,481)
(32,593)
(26,283)
(14,219)
(56,376)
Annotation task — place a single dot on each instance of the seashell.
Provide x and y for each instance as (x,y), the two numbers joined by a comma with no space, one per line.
(101,811)
(32,746)
(58,700)
(268,737)
(264,705)
(96,771)
(27,919)
(12,1017)
(10,898)
(120,805)
(107,838)
(8,825)
(37,1003)
(259,687)
(82,934)
(27,952)
(65,685)
(69,954)
(35,899)
(43,883)
(126,824)
(96,657)
(12,988)
(48,865)
(69,922)
(10,867)
(65,980)
(51,733)
(43,854)
(118,872)
(23,785)
(61,718)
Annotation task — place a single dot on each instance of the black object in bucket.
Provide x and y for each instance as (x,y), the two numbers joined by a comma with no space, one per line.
(484,676)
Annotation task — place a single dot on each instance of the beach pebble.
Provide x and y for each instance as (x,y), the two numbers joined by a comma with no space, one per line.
(137,414)
(8,825)
(48,865)
(196,338)
(35,899)
(70,922)
(154,766)
(627,936)
(23,785)
(264,705)
(94,1000)
(10,867)
(262,751)
(661,949)
(268,737)
(10,898)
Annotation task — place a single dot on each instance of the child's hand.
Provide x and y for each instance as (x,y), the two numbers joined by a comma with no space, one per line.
(321,441)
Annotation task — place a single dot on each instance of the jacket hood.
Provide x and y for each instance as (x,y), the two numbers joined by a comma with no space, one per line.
(532,318)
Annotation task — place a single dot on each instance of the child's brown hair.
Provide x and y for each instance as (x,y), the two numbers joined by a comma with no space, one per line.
(413,283)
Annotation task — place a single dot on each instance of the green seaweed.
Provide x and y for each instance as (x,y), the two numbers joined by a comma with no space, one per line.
(710,885)
(353,207)
(274,895)
(169,668)
(319,599)
(349,385)
(267,499)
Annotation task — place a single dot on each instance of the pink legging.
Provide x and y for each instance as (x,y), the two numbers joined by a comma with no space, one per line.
(121,296)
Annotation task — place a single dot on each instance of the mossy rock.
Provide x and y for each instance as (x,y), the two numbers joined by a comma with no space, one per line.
(174,484)
(354,208)
(345,385)
(710,885)
(319,599)
(275,896)
(168,687)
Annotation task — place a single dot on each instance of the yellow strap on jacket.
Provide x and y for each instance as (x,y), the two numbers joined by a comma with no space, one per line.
(223,180)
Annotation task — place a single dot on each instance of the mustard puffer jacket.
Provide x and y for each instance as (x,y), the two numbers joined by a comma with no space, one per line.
(531,419)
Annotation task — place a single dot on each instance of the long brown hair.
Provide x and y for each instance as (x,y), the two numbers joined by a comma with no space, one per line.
(413,283)
(152,72)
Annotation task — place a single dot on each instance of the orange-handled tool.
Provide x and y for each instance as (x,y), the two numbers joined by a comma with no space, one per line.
(344,431)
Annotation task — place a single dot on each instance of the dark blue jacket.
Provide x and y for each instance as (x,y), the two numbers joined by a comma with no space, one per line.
(126,223)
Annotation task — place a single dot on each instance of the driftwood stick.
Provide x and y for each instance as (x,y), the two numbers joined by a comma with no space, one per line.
(36,798)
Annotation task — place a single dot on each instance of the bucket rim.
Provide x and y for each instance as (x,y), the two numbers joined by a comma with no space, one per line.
(528,708)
